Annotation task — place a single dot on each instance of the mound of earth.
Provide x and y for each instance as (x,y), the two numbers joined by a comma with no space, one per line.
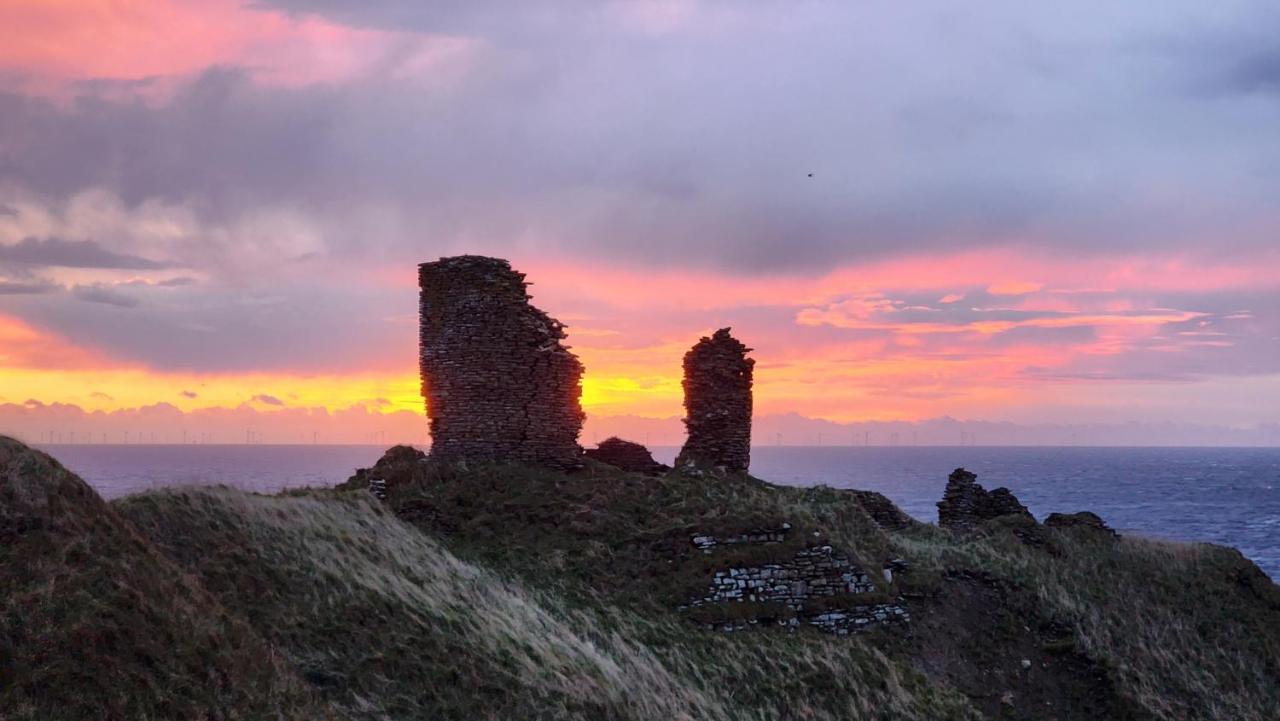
(95,623)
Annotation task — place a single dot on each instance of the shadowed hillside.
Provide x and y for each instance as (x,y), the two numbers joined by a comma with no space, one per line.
(500,592)
(95,623)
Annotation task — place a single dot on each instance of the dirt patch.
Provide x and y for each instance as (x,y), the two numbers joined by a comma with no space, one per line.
(985,637)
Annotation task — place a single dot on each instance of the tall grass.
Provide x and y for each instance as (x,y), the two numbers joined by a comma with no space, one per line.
(1189,630)
(389,624)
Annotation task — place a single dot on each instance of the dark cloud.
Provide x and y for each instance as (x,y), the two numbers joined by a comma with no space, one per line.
(924,131)
(10,287)
(71,254)
(1258,73)
(267,400)
(104,294)
(190,394)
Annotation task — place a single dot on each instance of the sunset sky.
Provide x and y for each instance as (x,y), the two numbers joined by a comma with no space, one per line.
(213,209)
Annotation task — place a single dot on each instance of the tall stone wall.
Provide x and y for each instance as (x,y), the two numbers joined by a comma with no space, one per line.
(717,401)
(498,383)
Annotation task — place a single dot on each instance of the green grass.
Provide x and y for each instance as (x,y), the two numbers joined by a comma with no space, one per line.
(504,592)
(96,624)
(1189,631)
(389,624)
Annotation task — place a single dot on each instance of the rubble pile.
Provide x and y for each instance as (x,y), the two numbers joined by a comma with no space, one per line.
(628,456)
(1084,519)
(965,504)
(498,383)
(717,401)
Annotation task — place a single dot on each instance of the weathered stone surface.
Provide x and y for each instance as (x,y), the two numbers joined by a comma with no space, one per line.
(1083,519)
(883,511)
(498,384)
(717,401)
(707,543)
(627,455)
(965,504)
(817,586)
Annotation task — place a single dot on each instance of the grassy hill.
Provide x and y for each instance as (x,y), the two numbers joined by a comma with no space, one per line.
(96,623)
(504,592)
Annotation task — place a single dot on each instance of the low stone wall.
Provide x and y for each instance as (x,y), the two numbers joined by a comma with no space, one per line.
(708,543)
(799,585)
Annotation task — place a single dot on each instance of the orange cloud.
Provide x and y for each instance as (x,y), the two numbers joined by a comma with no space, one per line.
(1014,287)
(22,346)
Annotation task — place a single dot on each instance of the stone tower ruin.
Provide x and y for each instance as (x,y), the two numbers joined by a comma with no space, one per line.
(717,402)
(498,384)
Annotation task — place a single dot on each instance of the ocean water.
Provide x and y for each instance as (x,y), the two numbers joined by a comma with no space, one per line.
(1229,496)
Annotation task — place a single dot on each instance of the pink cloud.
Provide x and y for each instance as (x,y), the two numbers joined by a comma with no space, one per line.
(52,41)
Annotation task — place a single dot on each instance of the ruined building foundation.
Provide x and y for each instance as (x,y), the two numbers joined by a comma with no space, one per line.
(498,383)
(717,401)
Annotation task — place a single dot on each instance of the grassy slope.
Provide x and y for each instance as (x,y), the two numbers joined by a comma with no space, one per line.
(96,624)
(537,595)
(390,624)
(1187,631)
(1135,629)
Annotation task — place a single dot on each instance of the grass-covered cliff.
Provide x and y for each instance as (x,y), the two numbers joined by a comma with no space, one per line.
(513,593)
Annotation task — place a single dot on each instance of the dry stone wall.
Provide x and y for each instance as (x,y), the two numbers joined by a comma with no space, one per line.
(717,401)
(799,585)
(498,383)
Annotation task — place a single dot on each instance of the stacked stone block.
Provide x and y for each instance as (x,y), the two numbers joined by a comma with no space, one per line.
(498,383)
(810,575)
(717,401)
(965,504)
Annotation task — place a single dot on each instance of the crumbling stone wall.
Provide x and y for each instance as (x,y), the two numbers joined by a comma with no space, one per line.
(717,401)
(965,504)
(498,384)
(798,584)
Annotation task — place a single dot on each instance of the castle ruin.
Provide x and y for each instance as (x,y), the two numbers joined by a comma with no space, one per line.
(717,401)
(498,383)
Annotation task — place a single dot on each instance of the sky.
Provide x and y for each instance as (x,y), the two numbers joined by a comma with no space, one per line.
(211,210)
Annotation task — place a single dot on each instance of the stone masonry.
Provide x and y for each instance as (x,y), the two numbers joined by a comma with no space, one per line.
(717,401)
(498,383)
(965,504)
(799,584)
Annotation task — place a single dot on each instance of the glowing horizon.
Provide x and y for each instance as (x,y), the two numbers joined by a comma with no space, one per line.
(212,206)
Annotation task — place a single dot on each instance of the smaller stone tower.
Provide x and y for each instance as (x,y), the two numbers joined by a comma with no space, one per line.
(717,402)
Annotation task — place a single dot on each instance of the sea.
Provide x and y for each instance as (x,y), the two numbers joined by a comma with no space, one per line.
(1228,496)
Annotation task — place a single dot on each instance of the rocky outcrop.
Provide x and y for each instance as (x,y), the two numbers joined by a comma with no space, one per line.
(965,504)
(399,465)
(498,383)
(717,401)
(1084,519)
(883,511)
(628,456)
